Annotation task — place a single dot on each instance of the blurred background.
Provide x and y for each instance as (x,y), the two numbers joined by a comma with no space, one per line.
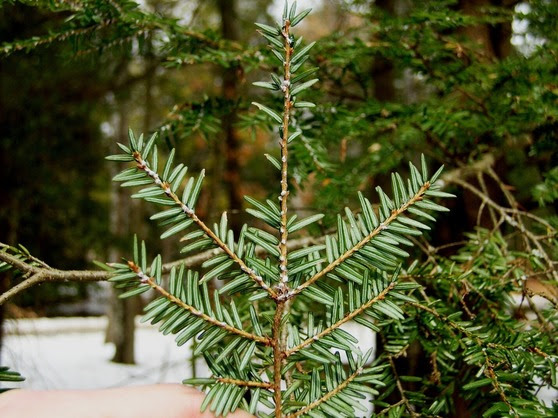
(466,82)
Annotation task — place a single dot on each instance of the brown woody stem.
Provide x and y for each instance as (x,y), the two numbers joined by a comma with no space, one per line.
(43,273)
(279,334)
(247,383)
(278,355)
(400,388)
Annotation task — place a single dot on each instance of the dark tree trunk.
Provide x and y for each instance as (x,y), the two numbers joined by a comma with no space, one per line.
(121,326)
(123,316)
(231,75)
(383,73)
(4,283)
(494,39)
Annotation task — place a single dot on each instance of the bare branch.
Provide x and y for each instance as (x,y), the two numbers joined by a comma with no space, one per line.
(48,274)
(42,275)
(400,388)
(505,213)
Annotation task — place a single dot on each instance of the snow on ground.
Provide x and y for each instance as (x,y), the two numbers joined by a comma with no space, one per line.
(70,353)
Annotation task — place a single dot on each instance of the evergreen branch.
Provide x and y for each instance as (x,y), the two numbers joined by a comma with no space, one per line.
(7,375)
(142,165)
(17,262)
(489,367)
(114,4)
(246,383)
(233,330)
(72,5)
(8,48)
(279,335)
(138,24)
(328,395)
(25,253)
(489,372)
(196,260)
(394,215)
(345,319)
(119,41)
(469,334)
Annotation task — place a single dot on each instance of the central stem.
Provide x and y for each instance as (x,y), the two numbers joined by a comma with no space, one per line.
(286,87)
(278,353)
(279,337)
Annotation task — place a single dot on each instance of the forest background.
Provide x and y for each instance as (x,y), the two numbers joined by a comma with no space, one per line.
(470,83)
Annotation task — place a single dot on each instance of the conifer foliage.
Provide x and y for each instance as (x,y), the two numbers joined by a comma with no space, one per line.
(267,309)
(255,330)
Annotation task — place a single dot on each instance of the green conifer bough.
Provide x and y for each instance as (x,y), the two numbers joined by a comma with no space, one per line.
(470,329)
(273,326)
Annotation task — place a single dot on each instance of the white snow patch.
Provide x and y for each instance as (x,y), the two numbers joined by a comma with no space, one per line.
(71,353)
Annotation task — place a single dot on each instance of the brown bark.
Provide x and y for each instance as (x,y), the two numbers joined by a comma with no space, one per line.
(383,76)
(495,40)
(383,72)
(121,313)
(232,182)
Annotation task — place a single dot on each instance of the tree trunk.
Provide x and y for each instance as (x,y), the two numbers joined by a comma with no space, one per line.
(121,314)
(229,27)
(383,74)
(495,39)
